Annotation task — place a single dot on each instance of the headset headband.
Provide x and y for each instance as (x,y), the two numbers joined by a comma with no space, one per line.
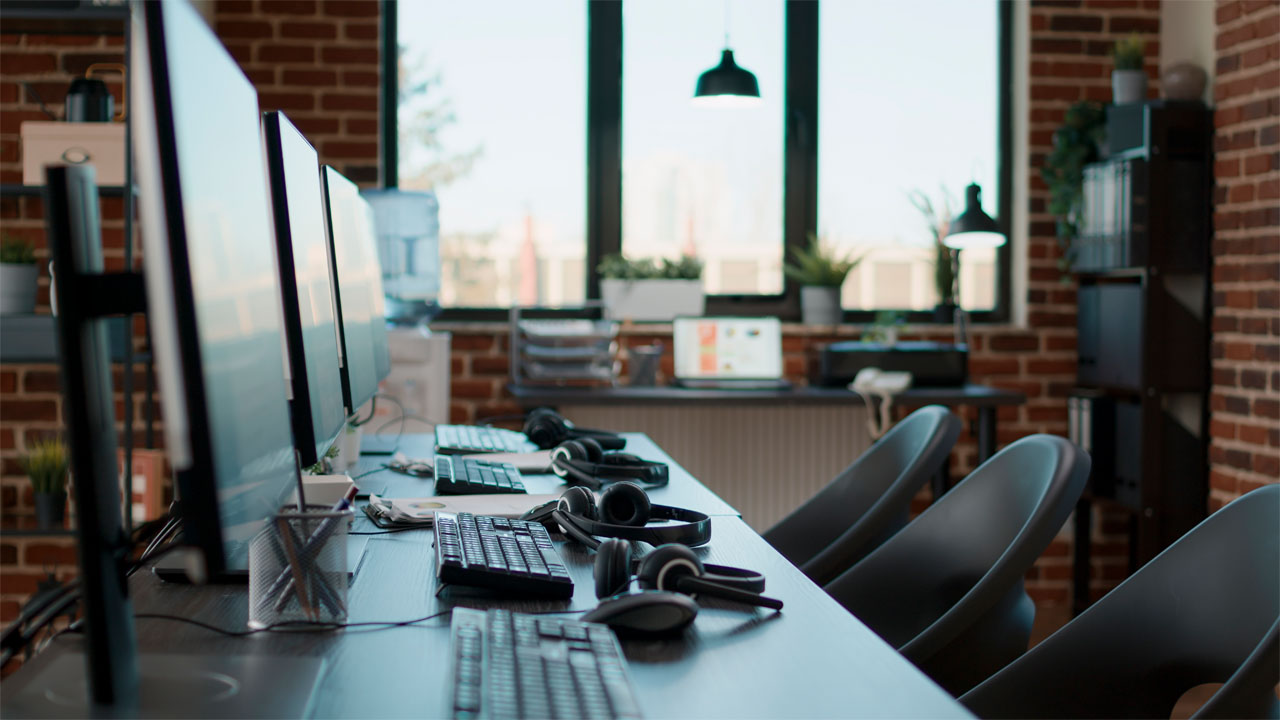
(594,475)
(694,528)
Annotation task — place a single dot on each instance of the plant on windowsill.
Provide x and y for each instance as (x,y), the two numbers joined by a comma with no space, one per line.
(1129,79)
(884,329)
(820,271)
(946,261)
(46,466)
(1077,143)
(18,275)
(645,290)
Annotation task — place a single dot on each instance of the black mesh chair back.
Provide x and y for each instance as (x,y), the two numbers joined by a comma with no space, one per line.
(868,502)
(1203,611)
(947,590)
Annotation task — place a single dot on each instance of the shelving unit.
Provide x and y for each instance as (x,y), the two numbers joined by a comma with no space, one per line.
(1144,268)
(86,17)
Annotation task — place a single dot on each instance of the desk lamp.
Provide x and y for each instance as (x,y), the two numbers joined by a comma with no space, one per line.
(972,229)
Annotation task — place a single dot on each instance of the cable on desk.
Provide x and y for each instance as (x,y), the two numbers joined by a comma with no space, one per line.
(292,625)
(392,530)
(378,469)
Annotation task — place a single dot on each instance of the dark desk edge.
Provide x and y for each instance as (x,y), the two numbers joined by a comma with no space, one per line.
(970,394)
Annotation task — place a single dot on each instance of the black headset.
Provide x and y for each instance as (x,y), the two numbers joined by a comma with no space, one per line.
(624,512)
(546,428)
(676,568)
(584,462)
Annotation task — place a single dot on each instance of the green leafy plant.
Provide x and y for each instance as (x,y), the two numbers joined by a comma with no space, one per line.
(617,267)
(945,259)
(1130,52)
(819,266)
(1076,144)
(322,467)
(884,326)
(16,251)
(47,465)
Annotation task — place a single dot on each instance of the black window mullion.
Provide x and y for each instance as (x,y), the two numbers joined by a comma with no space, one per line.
(604,136)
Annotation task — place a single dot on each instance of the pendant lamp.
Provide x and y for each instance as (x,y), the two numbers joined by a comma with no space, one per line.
(973,228)
(727,84)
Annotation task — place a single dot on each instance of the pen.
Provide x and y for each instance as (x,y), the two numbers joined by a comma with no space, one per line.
(313,544)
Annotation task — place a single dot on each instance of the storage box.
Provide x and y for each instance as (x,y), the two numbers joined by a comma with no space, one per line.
(97,143)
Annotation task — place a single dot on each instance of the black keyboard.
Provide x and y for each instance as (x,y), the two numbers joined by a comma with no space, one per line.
(498,553)
(466,439)
(511,665)
(455,476)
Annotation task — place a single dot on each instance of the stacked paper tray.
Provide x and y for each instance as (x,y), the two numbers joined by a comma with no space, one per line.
(564,351)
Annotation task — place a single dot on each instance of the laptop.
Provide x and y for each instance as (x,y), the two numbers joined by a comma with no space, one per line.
(728,353)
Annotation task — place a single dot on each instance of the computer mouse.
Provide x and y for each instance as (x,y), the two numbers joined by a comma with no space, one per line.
(650,611)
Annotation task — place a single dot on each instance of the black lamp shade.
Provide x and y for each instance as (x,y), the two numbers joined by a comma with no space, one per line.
(973,228)
(727,81)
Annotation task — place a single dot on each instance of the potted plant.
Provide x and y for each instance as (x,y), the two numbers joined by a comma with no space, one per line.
(18,274)
(649,291)
(821,272)
(1129,79)
(1076,144)
(884,329)
(46,466)
(945,260)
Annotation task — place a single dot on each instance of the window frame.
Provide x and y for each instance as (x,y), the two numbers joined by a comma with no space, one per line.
(800,158)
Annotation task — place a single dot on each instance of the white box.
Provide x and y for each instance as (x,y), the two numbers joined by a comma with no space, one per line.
(48,143)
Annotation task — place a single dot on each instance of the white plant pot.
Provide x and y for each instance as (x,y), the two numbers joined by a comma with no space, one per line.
(18,288)
(1128,86)
(651,300)
(820,305)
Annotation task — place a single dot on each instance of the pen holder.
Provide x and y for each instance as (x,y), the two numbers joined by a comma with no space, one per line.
(298,568)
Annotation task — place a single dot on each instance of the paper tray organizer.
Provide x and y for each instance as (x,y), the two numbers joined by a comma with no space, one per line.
(563,351)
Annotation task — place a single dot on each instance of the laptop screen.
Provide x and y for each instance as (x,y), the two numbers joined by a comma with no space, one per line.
(728,347)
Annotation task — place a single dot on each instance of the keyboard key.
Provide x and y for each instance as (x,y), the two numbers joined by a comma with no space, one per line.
(500,554)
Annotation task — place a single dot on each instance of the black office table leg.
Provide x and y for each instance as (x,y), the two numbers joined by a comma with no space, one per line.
(986,433)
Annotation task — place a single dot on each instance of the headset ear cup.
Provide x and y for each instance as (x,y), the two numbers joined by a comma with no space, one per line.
(613,567)
(566,451)
(661,568)
(625,503)
(579,501)
(594,453)
(545,428)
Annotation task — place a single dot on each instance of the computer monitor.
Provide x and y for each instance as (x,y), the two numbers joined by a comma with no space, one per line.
(213,292)
(213,307)
(357,289)
(302,248)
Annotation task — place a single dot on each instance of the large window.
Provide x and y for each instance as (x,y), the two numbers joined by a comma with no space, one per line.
(544,160)
(908,117)
(492,117)
(695,180)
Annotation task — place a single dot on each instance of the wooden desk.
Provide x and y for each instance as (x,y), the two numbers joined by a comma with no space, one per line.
(811,660)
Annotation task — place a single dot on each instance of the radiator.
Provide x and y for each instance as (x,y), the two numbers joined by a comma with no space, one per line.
(763,460)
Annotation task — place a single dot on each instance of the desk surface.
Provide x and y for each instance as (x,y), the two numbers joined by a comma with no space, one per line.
(811,660)
(977,395)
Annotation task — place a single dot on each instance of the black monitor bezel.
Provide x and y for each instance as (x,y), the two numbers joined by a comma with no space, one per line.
(301,409)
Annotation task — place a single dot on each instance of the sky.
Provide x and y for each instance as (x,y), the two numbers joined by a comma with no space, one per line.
(903,106)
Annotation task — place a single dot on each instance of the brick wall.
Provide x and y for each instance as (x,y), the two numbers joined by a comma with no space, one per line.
(317,61)
(1245,449)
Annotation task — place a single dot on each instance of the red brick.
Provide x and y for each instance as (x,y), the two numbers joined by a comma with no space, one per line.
(482,389)
(346,101)
(360,78)
(1253,434)
(1014,343)
(360,31)
(1268,465)
(296,8)
(1075,23)
(47,554)
(31,410)
(287,53)
(310,77)
(314,126)
(350,8)
(287,101)
(349,55)
(20,583)
(472,342)
(337,149)
(490,365)
(308,30)
(459,413)
(8,381)
(27,63)
(41,381)
(244,29)
(360,126)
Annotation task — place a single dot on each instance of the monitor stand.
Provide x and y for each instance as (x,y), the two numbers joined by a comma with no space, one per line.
(170,686)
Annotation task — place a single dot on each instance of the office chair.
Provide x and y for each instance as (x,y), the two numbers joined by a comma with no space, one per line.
(867,503)
(1205,610)
(947,589)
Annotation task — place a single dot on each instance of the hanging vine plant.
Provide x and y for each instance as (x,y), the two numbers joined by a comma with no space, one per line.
(1077,143)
